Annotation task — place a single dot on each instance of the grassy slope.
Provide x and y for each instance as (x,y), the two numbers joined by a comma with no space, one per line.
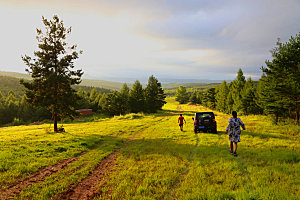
(85,82)
(163,162)
(8,83)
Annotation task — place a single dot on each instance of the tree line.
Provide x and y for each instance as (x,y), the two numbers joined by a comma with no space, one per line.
(134,100)
(137,99)
(277,92)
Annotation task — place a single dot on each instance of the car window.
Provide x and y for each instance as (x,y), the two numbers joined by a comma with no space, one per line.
(203,115)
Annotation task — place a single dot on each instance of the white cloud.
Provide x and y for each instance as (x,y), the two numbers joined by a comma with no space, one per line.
(172,38)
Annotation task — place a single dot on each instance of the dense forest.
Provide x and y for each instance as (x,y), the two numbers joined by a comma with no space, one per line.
(277,92)
(15,109)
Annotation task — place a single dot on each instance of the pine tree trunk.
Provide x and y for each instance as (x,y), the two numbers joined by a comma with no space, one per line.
(55,122)
(297,116)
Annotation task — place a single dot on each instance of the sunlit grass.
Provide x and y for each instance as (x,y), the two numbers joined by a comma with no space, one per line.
(162,162)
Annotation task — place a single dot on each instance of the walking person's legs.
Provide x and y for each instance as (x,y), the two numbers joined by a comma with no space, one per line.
(235,148)
(231,147)
(181,126)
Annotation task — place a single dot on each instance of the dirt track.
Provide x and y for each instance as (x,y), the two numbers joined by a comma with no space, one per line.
(13,190)
(90,187)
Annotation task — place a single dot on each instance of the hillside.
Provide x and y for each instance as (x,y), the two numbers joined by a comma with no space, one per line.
(200,86)
(85,82)
(140,156)
(8,83)
(118,85)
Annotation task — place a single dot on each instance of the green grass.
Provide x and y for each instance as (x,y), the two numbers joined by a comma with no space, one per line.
(162,162)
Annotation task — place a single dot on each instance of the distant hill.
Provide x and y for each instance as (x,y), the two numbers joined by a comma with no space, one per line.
(144,81)
(8,83)
(102,84)
(190,85)
(15,75)
(112,85)
(85,82)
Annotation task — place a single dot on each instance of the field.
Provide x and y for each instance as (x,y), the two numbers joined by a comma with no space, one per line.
(139,156)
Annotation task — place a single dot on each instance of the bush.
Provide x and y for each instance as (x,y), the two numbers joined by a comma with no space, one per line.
(17,122)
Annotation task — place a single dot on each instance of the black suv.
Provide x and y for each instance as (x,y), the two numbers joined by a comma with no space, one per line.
(205,121)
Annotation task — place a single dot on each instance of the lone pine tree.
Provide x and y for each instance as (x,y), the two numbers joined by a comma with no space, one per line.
(52,72)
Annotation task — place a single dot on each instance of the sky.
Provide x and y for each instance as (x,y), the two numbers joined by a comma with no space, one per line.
(180,39)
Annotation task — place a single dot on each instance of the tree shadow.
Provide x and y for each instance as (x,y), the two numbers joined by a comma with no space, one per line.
(266,136)
(210,154)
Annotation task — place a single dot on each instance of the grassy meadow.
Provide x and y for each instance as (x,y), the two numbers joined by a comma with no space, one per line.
(160,162)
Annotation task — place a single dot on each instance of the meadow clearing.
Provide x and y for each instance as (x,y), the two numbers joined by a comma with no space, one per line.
(139,156)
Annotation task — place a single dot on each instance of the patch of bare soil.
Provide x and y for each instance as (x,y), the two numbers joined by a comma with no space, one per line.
(35,123)
(11,191)
(87,189)
(91,186)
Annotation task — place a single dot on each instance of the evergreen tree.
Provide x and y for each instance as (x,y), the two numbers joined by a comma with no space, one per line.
(199,97)
(260,93)
(154,95)
(93,101)
(93,95)
(111,104)
(96,102)
(10,98)
(272,101)
(83,100)
(193,98)
(124,99)
(2,99)
(249,103)
(283,73)
(211,95)
(136,98)
(101,101)
(238,86)
(11,108)
(51,71)
(181,95)
(221,97)
(25,112)
(209,98)
(229,102)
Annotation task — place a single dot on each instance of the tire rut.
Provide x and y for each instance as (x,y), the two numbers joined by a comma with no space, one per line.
(11,191)
(92,185)
(87,189)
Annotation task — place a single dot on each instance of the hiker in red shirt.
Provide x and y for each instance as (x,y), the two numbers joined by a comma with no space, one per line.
(180,121)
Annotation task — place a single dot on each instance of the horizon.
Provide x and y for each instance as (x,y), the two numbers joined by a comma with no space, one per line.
(200,40)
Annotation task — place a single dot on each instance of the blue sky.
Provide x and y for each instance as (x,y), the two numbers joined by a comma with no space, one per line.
(196,39)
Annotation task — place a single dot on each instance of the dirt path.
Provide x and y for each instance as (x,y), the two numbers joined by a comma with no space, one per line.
(13,190)
(92,185)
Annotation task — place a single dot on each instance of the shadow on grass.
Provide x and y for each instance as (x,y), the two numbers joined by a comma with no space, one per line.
(205,153)
(201,153)
(265,136)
